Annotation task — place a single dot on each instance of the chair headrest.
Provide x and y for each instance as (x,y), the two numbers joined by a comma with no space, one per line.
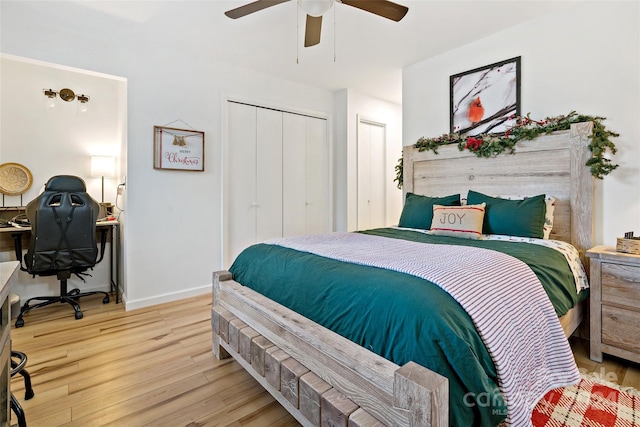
(65,183)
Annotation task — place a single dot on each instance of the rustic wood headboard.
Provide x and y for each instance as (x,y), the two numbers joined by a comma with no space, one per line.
(552,164)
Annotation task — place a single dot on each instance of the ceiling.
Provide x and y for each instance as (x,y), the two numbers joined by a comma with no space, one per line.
(358,50)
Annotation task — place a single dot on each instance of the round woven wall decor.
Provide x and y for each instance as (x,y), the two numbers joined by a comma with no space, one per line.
(15,179)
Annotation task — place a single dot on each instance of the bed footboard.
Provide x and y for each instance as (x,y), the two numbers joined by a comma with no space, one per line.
(320,377)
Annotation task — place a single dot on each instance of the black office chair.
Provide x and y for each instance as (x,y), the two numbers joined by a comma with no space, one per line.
(18,362)
(63,240)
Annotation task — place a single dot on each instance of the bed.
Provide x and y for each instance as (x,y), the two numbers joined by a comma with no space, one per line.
(322,378)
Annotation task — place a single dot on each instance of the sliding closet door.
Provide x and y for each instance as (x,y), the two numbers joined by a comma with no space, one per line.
(269,174)
(318,176)
(241,177)
(305,175)
(276,176)
(253,211)
(294,185)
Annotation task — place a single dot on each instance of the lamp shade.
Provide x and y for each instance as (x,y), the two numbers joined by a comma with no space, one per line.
(103,166)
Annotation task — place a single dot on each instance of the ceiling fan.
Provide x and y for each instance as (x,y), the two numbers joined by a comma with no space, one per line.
(316,8)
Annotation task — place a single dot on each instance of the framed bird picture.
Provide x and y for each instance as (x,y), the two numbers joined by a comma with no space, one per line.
(486,99)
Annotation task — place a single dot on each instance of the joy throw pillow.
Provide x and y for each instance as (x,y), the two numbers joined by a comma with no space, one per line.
(458,221)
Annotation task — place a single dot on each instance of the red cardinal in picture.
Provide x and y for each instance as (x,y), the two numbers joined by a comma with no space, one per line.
(476,111)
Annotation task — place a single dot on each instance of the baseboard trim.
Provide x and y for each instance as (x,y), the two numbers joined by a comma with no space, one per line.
(160,299)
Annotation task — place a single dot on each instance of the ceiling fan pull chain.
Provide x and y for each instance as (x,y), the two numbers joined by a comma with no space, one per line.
(297,35)
(334,34)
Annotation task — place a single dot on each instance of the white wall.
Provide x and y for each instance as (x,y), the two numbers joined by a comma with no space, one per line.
(584,58)
(173,220)
(58,141)
(349,106)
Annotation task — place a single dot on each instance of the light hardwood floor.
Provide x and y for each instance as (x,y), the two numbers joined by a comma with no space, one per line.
(154,367)
(147,367)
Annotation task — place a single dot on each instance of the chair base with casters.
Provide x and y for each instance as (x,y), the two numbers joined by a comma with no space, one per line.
(69,297)
(18,362)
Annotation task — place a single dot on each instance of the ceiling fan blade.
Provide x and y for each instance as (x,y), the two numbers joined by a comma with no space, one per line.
(256,6)
(384,8)
(312,31)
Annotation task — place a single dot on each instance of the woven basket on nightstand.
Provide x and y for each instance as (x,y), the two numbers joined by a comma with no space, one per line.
(628,246)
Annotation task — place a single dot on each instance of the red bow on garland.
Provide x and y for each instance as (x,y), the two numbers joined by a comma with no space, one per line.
(473,143)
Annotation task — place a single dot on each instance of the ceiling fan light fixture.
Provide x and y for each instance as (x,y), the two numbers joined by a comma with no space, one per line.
(315,7)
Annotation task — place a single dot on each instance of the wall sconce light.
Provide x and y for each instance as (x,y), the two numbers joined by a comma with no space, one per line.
(50,100)
(104,167)
(67,95)
(82,103)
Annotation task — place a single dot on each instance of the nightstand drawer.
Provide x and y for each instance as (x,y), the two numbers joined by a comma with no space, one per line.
(621,284)
(621,328)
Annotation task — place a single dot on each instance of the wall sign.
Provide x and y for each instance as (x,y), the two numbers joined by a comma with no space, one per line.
(178,149)
(486,99)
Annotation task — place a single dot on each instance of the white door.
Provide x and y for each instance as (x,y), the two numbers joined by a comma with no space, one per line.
(253,210)
(276,176)
(269,175)
(318,176)
(240,180)
(294,183)
(371,175)
(306,180)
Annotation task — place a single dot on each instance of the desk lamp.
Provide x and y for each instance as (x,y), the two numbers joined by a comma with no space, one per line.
(103,167)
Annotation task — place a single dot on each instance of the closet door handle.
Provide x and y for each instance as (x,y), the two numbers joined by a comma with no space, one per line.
(255,205)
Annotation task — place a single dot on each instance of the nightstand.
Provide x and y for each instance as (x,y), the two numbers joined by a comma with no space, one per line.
(614,303)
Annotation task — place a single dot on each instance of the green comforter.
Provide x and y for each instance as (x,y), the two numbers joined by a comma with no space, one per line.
(401,317)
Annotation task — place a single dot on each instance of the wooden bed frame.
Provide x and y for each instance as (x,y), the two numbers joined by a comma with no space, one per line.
(322,378)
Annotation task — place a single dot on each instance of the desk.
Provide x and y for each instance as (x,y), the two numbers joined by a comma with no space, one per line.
(7,270)
(114,259)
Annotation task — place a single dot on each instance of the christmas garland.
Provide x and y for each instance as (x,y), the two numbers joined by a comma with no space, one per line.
(490,145)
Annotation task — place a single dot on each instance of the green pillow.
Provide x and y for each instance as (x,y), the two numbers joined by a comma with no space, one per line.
(523,218)
(418,210)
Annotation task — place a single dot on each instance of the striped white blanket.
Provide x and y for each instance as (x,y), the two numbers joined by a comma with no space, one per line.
(501,294)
